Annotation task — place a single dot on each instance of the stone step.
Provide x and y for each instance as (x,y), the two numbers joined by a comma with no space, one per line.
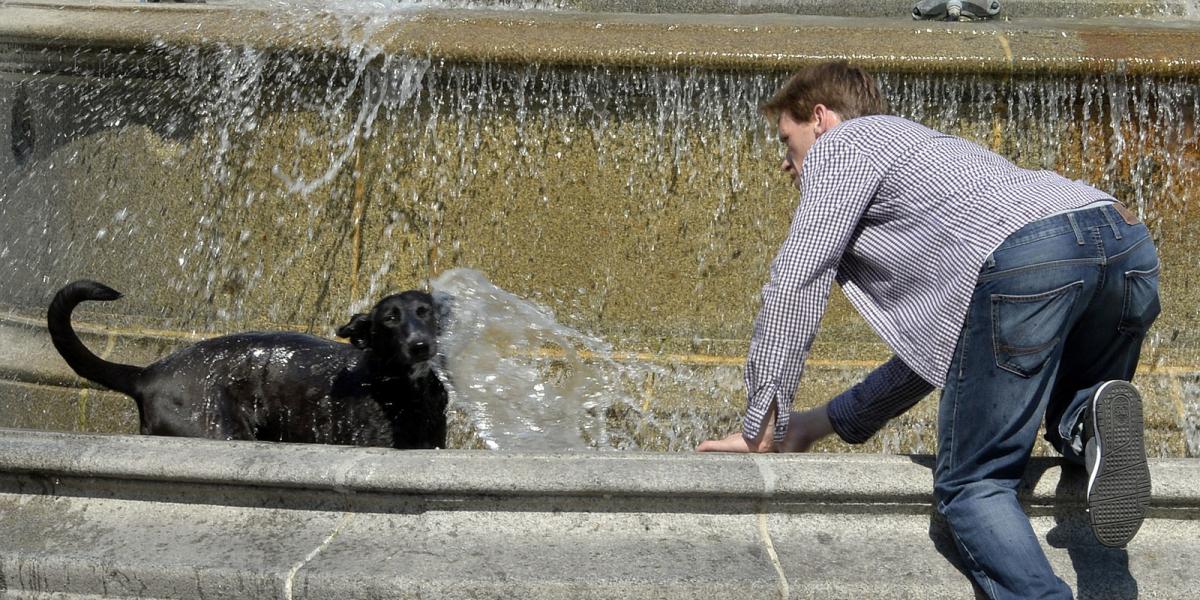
(151,517)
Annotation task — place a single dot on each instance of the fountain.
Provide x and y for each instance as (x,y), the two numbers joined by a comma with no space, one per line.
(591,179)
(257,188)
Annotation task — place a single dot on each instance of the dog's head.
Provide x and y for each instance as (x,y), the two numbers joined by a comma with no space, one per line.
(401,329)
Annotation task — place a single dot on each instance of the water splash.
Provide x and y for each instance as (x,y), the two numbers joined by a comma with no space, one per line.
(525,381)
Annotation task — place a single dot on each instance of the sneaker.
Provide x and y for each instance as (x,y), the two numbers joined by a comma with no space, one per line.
(1118,490)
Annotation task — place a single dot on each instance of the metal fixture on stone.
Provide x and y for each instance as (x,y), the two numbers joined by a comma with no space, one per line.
(956,10)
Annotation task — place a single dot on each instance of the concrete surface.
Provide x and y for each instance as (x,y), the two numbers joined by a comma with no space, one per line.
(147,517)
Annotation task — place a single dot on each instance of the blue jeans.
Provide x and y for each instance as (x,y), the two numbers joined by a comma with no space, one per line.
(1060,307)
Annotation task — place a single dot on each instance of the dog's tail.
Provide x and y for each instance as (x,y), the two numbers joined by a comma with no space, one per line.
(115,376)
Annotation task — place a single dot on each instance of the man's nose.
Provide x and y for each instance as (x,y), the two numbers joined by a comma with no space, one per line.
(786,167)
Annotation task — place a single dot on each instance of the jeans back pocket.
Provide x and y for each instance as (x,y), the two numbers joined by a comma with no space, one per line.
(1141,304)
(1027,328)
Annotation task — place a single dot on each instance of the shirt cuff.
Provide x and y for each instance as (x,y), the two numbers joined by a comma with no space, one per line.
(759,409)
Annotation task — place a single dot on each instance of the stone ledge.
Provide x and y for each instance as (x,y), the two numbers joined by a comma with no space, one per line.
(839,8)
(753,42)
(895,8)
(886,480)
(132,516)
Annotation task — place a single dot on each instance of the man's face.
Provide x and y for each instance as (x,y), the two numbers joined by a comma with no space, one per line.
(798,138)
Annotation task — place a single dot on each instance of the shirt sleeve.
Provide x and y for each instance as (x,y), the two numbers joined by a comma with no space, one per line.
(887,392)
(838,183)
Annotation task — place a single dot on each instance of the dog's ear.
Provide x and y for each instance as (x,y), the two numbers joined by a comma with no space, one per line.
(443,305)
(358,330)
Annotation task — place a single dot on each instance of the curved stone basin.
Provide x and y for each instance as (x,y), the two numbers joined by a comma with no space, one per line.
(153,517)
(233,168)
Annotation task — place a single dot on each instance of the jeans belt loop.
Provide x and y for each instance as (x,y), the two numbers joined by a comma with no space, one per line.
(1075,226)
(1111,223)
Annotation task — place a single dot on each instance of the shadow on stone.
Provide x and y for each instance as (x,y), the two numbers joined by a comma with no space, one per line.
(939,532)
(1100,571)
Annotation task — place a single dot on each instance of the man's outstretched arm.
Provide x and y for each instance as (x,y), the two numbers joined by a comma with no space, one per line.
(855,415)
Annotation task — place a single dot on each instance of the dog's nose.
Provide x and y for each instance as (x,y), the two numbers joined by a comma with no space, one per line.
(419,350)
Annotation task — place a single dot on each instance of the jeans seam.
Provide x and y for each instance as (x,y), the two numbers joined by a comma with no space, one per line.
(1054,264)
(1121,328)
(962,354)
(1019,351)
(1124,305)
(1104,263)
(1035,237)
(1120,255)
(975,566)
(1058,291)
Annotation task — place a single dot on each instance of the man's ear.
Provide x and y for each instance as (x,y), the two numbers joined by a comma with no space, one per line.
(443,305)
(358,330)
(825,118)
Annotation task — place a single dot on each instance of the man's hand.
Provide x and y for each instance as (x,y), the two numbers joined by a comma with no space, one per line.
(734,442)
(805,428)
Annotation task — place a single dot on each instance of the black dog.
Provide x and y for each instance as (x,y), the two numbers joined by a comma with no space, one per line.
(378,390)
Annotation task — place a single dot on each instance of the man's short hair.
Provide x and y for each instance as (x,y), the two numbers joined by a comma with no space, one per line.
(848,91)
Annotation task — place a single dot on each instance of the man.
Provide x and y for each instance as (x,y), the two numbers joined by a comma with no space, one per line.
(1020,293)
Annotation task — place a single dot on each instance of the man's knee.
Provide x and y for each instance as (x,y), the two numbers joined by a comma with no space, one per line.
(972,500)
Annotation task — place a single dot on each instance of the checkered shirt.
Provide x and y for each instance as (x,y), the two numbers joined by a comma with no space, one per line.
(903,217)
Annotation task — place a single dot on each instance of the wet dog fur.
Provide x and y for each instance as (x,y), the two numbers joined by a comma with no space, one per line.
(377,390)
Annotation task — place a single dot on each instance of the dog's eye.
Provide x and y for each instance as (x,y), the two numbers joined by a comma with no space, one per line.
(422,311)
